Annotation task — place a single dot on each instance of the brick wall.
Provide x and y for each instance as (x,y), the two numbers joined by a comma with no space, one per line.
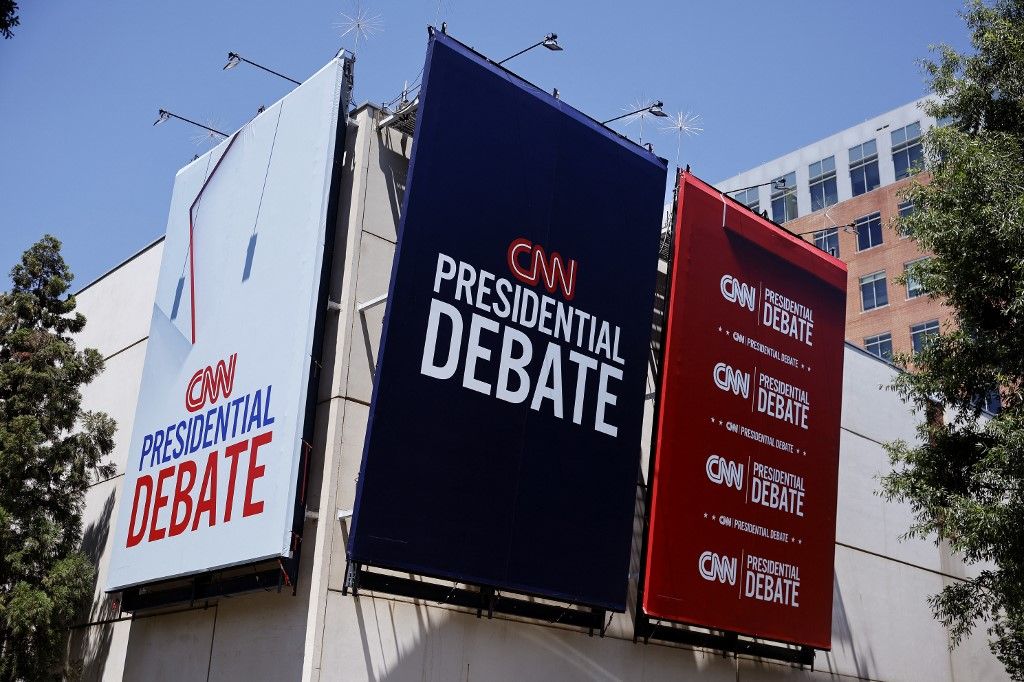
(890,256)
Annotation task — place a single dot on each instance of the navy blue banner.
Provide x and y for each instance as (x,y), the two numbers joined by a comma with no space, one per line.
(505,430)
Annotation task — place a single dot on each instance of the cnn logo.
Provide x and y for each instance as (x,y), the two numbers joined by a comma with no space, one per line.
(724,472)
(729,379)
(738,292)
(714,567)
(210,384)
(529,264)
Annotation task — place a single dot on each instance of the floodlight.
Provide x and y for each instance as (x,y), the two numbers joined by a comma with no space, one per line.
(234,59)
(165,115)
(551,42)
(656,109)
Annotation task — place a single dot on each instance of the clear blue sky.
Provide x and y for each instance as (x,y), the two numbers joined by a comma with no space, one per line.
(81,83)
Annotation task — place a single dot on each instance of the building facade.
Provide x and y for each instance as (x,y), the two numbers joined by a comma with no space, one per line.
(842,193)
(882,627)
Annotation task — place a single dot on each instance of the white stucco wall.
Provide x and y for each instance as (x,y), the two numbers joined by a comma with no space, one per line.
(878,128)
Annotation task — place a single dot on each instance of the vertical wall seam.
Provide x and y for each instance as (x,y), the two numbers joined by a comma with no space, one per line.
(213,639)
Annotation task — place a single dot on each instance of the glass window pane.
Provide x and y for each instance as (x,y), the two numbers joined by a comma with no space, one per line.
(748,197)
(870,148)
(831,191)
(881,292)
(828,241)
(914,130)
(920,333)
(871,175)
(855,154)
(914,286)
(880,346)
(873,291)
(828,164)
(915,155)
(857,181)
(817,196)
(901,164)
(994,402)
(779,210)
(869,231)
(875,228)
(899,136)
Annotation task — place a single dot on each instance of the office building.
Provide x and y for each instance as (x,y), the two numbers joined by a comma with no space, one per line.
(842,193)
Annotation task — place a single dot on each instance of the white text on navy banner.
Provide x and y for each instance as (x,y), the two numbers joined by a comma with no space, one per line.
(583,352)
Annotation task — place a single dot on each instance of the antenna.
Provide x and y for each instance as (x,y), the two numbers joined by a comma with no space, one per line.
(683,123)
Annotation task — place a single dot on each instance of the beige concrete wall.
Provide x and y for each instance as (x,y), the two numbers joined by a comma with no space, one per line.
(882,628)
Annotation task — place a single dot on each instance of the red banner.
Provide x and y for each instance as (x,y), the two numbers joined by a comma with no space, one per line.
(744,489)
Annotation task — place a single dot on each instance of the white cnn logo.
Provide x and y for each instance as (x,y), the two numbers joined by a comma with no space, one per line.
(721,568)
(729,379)
(738,292)
(723,472)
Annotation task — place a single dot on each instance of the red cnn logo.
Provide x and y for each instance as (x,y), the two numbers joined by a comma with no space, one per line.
(555,272)
(210,383)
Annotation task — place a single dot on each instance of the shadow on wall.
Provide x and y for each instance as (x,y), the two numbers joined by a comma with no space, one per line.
(403,642)
(394,166)
(842,638)
(89,645)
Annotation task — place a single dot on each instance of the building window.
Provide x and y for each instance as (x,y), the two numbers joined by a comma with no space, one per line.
(905,209)
(749,197)
(864,167)
(784,198)
(914,286)
(828,241)
(944,121)
(823,183)
(994,402)
(907,154)
(873,293)
(920,333)
(879,346)
(869,231)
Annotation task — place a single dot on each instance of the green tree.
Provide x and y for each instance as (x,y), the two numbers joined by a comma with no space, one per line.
(49,451)
(964,478)
(8,17)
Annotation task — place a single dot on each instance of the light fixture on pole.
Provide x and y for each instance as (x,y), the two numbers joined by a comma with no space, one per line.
(165,115)
(234,59)
(848,228)
(550,41)
(655,109)
(778,184)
